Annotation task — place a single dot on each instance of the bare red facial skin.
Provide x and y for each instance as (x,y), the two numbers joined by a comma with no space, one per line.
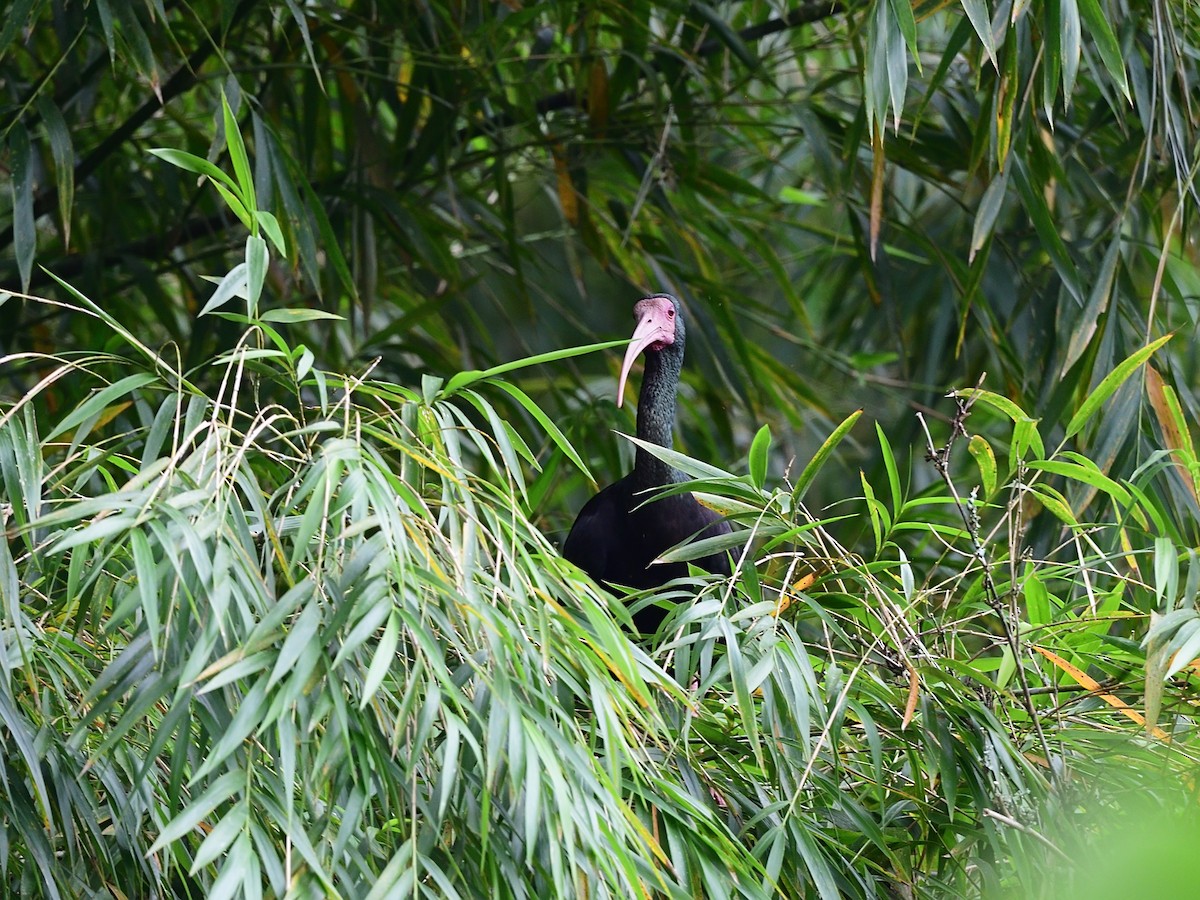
(655,330)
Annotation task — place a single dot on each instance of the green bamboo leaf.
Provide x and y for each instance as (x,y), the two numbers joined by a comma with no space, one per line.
(256,272)
(692,550)
(1106,43)
(1051,69)
(241,163)
(903,12)
(995,401)
(230,669)
(137,44)
(295,316)
(1166,574)
(547,424)
(1037,600)
(985,459)
(1034,200)
(192,163)
(887,61)
(876,81)
(239,867)
(908,581)
(874,511)
(897,68)
(300,223)
(316,493)
(950,53)
(300,636)
(10,594)
(1025,437)
(20,731)
(989,209)
(234,284)
(21,183)
(199,809)
(502,439)
(63,152)
(685,464)
(1097,305)
(305,362)
(1184,647)
(250,712)
(270,225)
(1108,386)
(1068,32)
(1086,473)
(447,779)
(235,203)
(301,20)
(1056,503)
(221,836)
(759,449)
(147,583)
(106,26)
(740,677)
(981,21)
(329,244)
(99,401)
(15,21)
(464,379)
(889,463)
(725,34)
(381,661)
(822,455)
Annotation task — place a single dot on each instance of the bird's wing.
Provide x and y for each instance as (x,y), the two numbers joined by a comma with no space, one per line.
(588,541)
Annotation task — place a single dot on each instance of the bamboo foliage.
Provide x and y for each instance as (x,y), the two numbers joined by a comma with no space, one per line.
(265,648)
(897,193)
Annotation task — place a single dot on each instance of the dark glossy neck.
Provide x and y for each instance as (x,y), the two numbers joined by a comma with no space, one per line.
(656,416)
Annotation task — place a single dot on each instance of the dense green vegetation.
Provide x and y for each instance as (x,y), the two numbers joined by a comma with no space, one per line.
(310,326)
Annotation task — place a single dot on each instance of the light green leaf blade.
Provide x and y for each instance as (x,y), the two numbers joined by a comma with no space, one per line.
(1102,35)
(823,453)
(192,163)
(295,316)
(981,21)
(99,401)
(21,184)
(464,379)
(759,449)
(1108,386)
(240,161)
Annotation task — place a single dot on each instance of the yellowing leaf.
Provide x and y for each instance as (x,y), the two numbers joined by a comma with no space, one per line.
(567,197)
(1082,677)
(981,450)
(914,693)
(877,171)
(597,97)
(1174,427)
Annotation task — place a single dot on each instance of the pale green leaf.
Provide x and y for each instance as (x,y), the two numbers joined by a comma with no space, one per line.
(1108,386)
(759,449)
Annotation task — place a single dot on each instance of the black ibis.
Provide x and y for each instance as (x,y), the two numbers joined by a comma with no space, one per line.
(618,534)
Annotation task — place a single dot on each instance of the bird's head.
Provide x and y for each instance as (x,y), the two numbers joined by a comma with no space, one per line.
(660,326)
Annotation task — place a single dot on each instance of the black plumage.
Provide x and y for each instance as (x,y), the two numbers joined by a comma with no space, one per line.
(618,534)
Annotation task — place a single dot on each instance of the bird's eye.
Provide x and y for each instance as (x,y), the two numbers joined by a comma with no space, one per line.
(670,313)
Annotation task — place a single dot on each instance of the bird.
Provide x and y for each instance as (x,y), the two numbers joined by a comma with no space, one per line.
(621,530)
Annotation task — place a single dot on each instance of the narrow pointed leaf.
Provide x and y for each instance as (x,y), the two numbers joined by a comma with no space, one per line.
(1108,386)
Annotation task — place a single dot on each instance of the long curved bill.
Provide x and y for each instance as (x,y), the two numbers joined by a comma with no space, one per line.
(654,327)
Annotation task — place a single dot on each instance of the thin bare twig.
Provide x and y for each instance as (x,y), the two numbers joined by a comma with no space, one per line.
(940,457)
